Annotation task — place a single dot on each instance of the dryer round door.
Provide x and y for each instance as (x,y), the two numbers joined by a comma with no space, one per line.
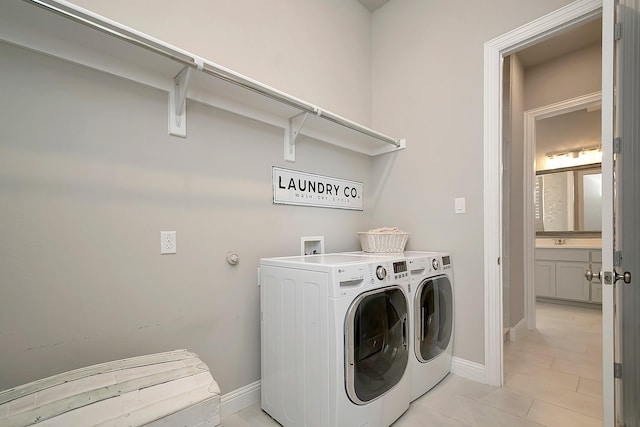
(433,317)
(376,343)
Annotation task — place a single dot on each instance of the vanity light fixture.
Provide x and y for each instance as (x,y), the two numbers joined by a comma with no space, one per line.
(574,154)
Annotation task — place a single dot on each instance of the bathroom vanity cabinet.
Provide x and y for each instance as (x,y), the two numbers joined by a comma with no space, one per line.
(560,273)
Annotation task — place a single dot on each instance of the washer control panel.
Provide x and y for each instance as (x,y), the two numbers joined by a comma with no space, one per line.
(400,270)
(390,272)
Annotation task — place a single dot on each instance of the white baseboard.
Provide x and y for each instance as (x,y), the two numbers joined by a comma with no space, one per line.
(239,399)
(518,331)
(469,370)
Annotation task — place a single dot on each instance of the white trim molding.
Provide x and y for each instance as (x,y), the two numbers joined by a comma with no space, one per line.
(239,399)
(530,119)
(518,331)
(470,370)
(494,51)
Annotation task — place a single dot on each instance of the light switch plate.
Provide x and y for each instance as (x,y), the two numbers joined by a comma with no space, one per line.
(168,242)
(460,205)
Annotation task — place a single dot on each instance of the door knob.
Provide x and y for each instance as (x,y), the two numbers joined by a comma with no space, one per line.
(626,276)
(590,275)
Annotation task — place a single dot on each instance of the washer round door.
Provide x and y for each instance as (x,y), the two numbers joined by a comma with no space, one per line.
(376,343)
(433,317)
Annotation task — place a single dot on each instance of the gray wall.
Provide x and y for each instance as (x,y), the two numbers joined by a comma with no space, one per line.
(564,78)
(316,50)
(506,189)
(567,131)
(515,198)
(89,176)
(428,67)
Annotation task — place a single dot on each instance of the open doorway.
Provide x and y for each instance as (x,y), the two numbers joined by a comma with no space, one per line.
(553,86)
(551,94)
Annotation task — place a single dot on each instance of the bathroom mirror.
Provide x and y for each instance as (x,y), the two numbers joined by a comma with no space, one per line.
(569,201)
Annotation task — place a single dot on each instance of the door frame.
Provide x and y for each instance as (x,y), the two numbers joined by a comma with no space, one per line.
(494,50)
(530,119)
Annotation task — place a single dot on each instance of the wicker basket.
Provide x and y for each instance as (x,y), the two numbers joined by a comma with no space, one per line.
(383,242)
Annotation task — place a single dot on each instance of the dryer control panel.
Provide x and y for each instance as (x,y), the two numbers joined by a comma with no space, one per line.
(441,263)
(400,270)
(446,262)
(429,264)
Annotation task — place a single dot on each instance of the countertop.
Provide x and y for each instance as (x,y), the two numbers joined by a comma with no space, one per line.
(569,243)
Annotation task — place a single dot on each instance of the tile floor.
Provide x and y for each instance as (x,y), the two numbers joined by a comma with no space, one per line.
(553,377)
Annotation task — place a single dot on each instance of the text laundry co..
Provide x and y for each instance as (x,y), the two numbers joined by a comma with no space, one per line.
(307,189)
(318,187)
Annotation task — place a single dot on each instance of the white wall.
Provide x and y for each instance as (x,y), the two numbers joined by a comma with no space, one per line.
(428,86)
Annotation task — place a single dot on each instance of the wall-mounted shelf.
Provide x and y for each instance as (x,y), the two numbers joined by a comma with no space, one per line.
(65,31)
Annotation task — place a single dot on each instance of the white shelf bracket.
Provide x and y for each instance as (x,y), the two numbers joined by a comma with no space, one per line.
(178,103)
(291,133)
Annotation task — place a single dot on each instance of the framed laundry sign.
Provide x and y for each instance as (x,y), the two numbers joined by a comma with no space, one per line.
(306,189)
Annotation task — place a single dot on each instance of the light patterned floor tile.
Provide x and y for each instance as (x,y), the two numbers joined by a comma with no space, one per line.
(591,370)
(556,416)
(505,400)
(464,387)
(588,356)
(476,414)
(419,416)
(575,353)
(547,376)
(519,356)
(590,387)
(583,403)
(586,337)
(560,342)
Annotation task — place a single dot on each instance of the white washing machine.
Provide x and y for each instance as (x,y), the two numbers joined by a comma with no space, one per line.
(431,295)
(335,339)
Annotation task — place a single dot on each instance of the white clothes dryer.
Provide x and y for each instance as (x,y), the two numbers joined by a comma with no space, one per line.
(335,339)
(432,308)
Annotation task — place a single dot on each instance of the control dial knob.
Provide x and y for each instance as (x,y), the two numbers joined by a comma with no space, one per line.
(435,263)
(381,272)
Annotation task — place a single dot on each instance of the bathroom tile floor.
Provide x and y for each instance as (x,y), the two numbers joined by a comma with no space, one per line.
(552,376)
(559,366)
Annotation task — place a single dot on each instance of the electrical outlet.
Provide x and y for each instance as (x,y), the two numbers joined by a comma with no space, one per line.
(167,242)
